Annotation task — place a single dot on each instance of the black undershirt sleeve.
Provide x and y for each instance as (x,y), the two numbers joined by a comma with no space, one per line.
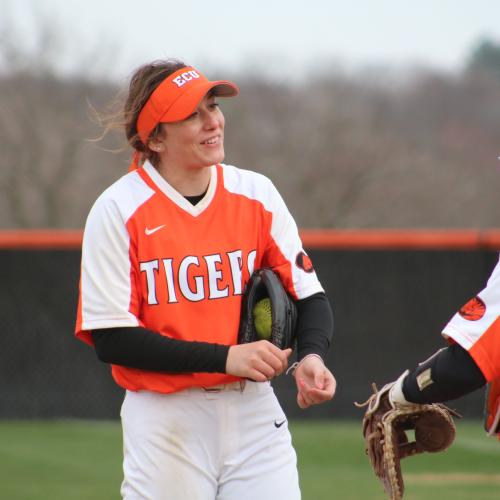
(314,325)
(449,374)
(137,347)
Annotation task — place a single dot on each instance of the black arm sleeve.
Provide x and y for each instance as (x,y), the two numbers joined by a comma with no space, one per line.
(314,325)
(449,374)
(137,347)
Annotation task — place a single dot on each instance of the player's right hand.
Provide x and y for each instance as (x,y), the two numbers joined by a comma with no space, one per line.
(259,361)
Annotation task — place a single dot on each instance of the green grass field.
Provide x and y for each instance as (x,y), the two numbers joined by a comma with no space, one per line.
(81,460)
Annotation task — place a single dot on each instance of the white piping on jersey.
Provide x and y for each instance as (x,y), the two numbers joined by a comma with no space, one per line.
(178,198)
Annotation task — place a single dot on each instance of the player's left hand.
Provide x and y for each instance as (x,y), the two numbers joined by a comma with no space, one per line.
(315,382)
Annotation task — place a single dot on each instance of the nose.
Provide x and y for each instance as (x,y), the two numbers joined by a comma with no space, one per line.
(211,120)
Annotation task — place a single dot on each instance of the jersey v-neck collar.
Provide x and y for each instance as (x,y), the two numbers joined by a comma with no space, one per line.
(177,197)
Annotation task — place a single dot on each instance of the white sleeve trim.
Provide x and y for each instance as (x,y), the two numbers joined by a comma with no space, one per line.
(123,321)
(310,290)
(460,338)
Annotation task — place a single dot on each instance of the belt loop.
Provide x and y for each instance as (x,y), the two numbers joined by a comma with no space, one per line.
(243,383)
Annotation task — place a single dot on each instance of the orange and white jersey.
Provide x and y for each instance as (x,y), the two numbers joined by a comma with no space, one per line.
(476,327)
(152,259)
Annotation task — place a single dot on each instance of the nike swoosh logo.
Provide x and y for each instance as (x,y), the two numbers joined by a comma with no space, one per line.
(279,424)
(151,231)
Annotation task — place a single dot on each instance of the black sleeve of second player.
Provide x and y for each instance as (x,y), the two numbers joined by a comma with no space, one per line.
(136,347)
(453,373)
(314,325)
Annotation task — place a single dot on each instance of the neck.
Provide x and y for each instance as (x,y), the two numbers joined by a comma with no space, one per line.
(188,182)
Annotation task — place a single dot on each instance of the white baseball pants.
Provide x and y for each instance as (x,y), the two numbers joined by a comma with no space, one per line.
(227,443)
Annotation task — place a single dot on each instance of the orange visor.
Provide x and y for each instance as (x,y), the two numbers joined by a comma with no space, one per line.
(177,97)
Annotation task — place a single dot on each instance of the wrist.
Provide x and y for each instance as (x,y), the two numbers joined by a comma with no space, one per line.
(229,359)
(312,355)
(293,368)
(396,395)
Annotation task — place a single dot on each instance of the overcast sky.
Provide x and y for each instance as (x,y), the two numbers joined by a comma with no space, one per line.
(290,36)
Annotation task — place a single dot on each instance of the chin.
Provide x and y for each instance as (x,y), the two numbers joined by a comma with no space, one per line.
(210,158)
(208,162)
(217,158)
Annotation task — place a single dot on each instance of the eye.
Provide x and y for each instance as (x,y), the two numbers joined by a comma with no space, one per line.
(214,105)
(192,115)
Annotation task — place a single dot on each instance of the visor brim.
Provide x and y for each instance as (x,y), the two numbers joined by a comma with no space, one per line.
(187,103)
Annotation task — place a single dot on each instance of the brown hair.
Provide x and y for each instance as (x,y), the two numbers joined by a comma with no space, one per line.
(143,82)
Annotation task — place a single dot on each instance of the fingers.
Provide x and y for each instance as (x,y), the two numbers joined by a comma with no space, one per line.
(259,361)
(284,355)
(330,384)
(305,397)
(301,401)
(316,389)
(309,395)
(266,366)
(272,358)
(319,380)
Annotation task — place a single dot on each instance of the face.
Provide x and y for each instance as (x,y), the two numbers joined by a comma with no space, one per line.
(197,141)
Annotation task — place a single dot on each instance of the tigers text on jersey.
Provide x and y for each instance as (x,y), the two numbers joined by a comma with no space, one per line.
(151,259)
(476,327)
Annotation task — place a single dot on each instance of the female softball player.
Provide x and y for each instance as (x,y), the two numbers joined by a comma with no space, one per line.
(167,251)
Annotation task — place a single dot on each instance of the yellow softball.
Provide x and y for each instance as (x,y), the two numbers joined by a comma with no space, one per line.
(262,318)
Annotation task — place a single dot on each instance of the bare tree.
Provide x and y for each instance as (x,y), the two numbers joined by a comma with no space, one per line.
(44,126)
(344,150)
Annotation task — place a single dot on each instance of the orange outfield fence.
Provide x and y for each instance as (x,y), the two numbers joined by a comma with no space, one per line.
(399,239)
(348,239)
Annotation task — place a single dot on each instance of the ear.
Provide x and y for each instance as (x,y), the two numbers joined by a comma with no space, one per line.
(156,145)
(157,142)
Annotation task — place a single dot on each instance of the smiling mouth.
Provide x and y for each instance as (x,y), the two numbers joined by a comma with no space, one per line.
(212,141)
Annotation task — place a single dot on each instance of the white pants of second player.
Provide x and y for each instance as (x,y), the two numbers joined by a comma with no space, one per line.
(230,443)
